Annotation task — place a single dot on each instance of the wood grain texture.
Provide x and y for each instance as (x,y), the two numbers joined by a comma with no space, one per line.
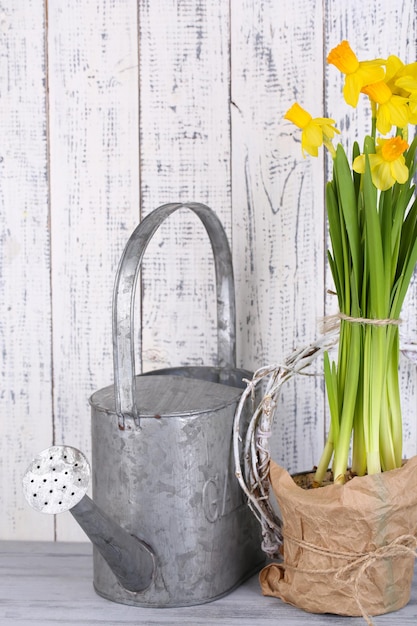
(278,205)
(185,156)
(25,303)
(94,161)
(119,106)
(52,584)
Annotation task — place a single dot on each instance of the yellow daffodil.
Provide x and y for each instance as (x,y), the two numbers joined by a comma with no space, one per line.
(408,70)
(392,110)
(316,131)
(358,73)
(408,85)
(387,165)
(394,67)
(372,221)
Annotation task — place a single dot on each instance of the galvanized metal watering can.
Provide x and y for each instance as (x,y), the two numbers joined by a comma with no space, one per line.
(167,520)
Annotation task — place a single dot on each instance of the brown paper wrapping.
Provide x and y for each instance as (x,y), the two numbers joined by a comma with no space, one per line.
(348,549)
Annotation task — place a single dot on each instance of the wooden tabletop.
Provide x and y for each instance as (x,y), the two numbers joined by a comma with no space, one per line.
(51,583)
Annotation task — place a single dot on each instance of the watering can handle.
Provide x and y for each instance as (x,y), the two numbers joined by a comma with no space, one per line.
(124,297)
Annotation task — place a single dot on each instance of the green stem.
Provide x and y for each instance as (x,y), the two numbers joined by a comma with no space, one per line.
(358,445)
(393,392)
(376,378)
(325,459)
(353,357)
(374,111)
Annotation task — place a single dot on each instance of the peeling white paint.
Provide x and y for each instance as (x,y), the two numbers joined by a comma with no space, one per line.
(120,107)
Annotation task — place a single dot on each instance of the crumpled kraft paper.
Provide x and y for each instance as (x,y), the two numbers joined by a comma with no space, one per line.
(348,549)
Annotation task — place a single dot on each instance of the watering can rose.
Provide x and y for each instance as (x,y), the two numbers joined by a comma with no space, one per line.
(372,219)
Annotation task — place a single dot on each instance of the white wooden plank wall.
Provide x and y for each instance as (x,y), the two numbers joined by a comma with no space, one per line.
(278,204)
(110,108)
(26,417)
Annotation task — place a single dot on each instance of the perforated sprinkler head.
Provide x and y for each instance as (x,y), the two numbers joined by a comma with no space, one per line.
(56,480)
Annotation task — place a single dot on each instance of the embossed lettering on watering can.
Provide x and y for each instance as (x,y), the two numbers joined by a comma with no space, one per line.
(168,521)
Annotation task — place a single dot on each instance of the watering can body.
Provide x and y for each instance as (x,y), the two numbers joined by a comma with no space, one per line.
(172,485)
(162,450)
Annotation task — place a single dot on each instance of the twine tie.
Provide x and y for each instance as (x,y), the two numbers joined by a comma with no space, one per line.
(405,545)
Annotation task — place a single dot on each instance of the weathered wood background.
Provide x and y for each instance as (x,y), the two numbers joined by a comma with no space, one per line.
(110,108)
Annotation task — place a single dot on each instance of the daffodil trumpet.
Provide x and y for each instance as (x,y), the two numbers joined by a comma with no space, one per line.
(372,220)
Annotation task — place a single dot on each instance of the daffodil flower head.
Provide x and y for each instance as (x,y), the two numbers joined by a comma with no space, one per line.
(358,73)
(393,71)
(408,70)
(392,110)
(408,84)
(316,131)
(387,164)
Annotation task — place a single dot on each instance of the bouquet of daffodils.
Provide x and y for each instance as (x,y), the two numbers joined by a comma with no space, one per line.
(372,220)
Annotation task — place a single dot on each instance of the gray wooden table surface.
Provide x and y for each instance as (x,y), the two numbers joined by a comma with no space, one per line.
(51,583)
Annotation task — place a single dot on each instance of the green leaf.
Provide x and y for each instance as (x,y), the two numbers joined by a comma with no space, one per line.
(374,251)
(385,220)
(404,281)
(335,231)
(407,236)
(348,202)
(356,177)
(330,377)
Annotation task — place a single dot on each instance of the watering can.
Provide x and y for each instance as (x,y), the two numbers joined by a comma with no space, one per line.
(167,519)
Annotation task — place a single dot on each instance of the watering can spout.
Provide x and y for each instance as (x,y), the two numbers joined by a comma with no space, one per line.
(57,481)
(131,561)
